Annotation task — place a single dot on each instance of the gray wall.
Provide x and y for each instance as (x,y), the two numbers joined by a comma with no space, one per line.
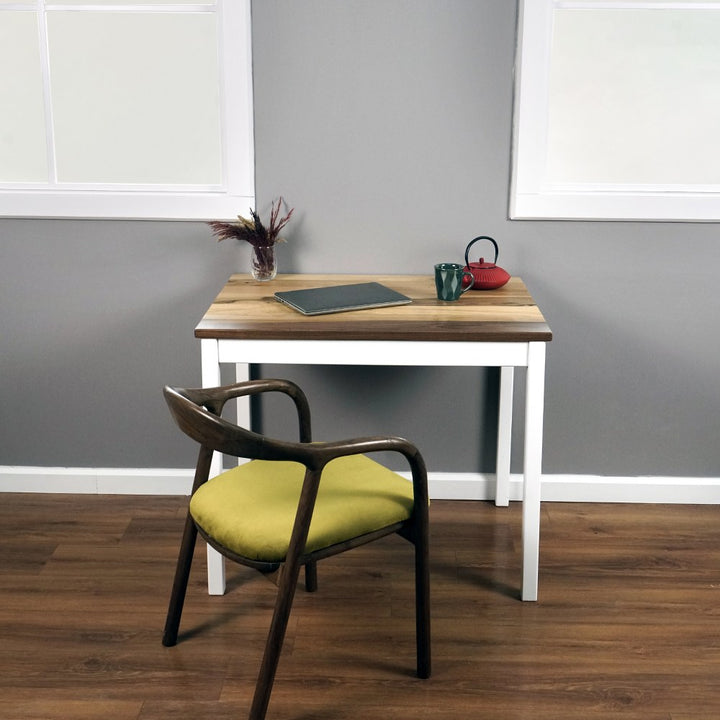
(387,125)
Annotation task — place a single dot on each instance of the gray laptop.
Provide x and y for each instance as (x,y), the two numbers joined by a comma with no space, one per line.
(341,298)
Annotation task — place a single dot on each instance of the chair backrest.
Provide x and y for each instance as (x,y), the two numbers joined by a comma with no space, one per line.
(197,413)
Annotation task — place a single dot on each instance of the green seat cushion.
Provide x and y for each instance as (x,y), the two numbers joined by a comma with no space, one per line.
(251,509)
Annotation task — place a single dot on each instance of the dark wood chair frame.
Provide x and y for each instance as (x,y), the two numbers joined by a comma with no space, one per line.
(197,413)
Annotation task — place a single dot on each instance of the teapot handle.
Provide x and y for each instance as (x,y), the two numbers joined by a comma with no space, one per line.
(472,242)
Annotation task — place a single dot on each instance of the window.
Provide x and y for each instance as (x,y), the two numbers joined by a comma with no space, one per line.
(617,109)
(129,108)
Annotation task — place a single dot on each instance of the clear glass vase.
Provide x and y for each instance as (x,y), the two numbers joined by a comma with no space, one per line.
(263,263)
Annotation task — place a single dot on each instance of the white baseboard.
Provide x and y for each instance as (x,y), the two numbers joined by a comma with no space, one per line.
(95,481)
(443,486)
(582,488)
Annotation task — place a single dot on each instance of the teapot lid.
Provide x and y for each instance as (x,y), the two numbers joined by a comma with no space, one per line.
(482,264)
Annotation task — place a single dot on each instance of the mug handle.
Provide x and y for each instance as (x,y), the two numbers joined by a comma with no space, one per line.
(472,280)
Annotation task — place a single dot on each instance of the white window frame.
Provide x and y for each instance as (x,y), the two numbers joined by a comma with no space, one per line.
(167,202)
(532,196)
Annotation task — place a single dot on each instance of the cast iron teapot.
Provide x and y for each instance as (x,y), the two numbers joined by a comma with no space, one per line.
(487,276)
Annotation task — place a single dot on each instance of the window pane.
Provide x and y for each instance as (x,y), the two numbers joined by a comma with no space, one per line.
(22,120)
(135,97)
(131,2)
(635,97)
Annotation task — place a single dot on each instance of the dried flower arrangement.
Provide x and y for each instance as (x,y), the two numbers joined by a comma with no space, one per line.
(261,237)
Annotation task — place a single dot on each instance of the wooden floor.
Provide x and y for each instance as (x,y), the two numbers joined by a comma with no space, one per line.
(627,625)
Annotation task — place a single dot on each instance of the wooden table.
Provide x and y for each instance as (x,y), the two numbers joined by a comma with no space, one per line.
(500,328)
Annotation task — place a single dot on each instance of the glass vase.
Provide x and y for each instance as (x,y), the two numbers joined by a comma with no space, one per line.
(263,263)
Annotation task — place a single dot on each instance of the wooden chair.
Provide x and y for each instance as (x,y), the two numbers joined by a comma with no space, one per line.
(292,505)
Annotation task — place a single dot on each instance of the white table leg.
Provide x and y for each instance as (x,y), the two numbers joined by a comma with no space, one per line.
(215,561)
(534,404)
(211,378)
(504,438)
(242,374)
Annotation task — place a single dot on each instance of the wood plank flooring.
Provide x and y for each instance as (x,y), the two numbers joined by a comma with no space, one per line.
(627,625)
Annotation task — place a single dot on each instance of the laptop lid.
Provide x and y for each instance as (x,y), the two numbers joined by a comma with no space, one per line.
(341,298)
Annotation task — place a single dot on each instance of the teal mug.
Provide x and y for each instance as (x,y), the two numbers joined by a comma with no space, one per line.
(449,279)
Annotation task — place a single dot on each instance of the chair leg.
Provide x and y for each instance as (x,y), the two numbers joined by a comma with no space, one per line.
(311,584)
(422,603)
(273,646)
(182,573)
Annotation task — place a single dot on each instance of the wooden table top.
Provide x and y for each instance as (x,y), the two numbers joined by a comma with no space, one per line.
(247,309)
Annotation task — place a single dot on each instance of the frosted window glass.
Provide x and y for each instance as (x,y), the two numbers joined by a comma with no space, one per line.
(22,120)
(135,97)
(619,3)
(634,97)
(205,3)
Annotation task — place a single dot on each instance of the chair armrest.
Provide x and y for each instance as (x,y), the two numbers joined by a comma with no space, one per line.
(325,452)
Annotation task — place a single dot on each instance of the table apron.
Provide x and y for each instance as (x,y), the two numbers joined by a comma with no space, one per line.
(374,352)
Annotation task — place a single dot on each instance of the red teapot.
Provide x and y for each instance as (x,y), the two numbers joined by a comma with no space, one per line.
(487,276)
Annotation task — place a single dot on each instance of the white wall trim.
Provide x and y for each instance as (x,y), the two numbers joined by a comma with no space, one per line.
(95,481)
(443,486)
(582,488)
